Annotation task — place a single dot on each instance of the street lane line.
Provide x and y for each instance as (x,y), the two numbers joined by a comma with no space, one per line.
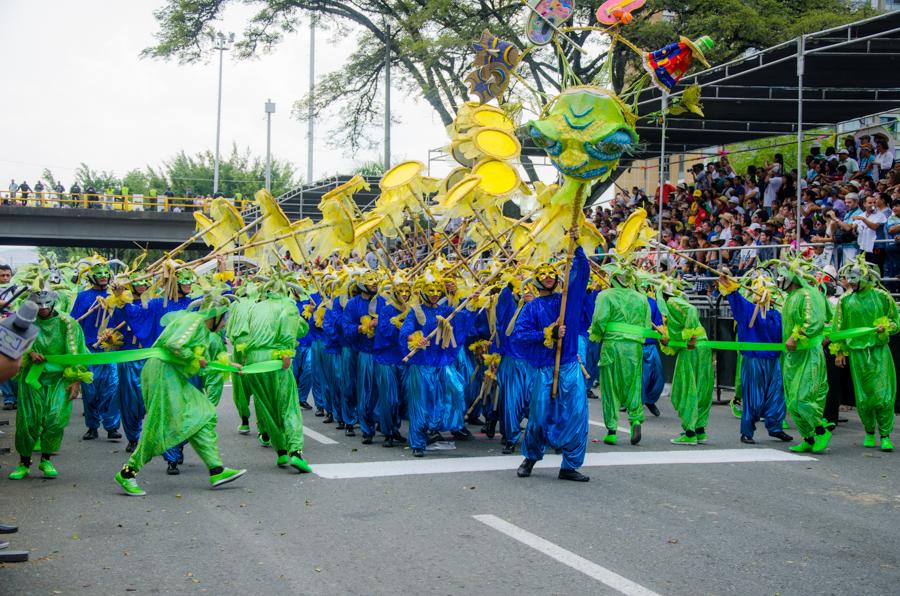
(450,465)
(568,558)
(621,429)
(308,432)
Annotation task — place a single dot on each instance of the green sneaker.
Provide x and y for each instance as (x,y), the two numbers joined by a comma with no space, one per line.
(46,466)
(610,439)
(683,439)
(244,429)
(869,441)
(821,443)
(225,476)
(735,408)
(37,446)
(802,447)
(701,438)
(300,464)
(263,442)
(785,425)
(129,485)
(282,461)
(19,473)
(886,444)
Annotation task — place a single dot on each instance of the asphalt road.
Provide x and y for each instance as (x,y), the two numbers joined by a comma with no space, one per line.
(824,525)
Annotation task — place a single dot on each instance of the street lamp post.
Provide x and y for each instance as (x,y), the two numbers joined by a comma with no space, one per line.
(223,43)
(270,109)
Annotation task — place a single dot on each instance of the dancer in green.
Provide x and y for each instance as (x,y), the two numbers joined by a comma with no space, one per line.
(176,410)
(236,328)
(692,385)
(621,349)
(271,332)
(871,364)
(45,404)
(803,320)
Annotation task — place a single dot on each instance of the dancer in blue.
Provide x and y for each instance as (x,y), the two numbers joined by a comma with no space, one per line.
(389,367)
(343,382)
(653,379)
(101,398)
(137,334)
(314,338)
(302,364)
(561,421)
(360,317)
(762,386)
(589,351)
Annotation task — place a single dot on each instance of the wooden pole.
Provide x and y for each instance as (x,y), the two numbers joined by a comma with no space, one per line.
(576,211)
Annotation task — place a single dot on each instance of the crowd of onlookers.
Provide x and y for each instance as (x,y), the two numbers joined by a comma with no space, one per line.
(849,203)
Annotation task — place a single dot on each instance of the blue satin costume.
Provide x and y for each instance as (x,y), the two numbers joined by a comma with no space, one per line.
(101,398)
(390,371)
(654,379)
(363,348)
(762,388)
(302,363)
(589,351)
(343,385)
(514,373)
(138,334)
(561,423)
(318,361)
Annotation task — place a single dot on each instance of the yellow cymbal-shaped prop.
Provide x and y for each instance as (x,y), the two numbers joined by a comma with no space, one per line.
(498,178)
(401,175)
(496,143)
(633,233)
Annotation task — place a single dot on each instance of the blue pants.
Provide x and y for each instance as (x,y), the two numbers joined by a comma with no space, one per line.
(434,401)
(302,367)
(514,380)
(762,390)
(131,400)
(589,352)
(101,398)
(319,375)
(366,396)
(653,378)
(561,423)
(331,388)
(175,455)
(466,368)
(346,378)
(9,391)
(387,390)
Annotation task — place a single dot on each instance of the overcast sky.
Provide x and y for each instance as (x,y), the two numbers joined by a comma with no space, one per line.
(77,91)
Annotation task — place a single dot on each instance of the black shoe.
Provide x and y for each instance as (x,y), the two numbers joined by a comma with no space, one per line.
(474,421)
(509,448)
(557,451)
(840,420)
(173,470)
(636,434)
(340,426)
(463,434)
(573,475)
(653,409)
(9,406)
(434,437)
(8,529)
(525,467)
(782,436)
(305,405)
(750,441)
(329,419)
(418,453)
(367,440)
(132,445)
(398,438)
(389,442)
(319,412)
(113,435)
(90,435)
(592,395)
(490,429)
(350,432)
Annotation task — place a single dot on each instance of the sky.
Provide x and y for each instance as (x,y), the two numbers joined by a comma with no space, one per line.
(78,91)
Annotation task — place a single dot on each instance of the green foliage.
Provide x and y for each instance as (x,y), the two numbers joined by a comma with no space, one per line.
(430,43)
(126,255)
(370,168)
(758,151)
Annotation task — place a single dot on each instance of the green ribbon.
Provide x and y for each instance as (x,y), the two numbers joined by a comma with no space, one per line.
(57,362)
(638,333)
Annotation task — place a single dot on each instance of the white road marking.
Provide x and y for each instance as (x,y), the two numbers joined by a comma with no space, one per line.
(450,465)
(621,429)
(568,558)
(308,432)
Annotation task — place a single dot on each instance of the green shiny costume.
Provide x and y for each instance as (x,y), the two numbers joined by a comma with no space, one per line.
(621,354)
(235,326)
(692,384)
(805,380)
(176,410)
(214,381)
(871,364)
(43,413)
(270,332)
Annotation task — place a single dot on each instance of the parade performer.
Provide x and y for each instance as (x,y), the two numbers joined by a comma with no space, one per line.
(236,327)
(803,320)
(871,364)
(760,377)
(588,350)
(45,404)
(343,382)
(560,422)
(358,323)
(464,359)
(317,364)
(101,398)
(271,333)
(302,366)
(692,384)
(139,333)
(176,410)
(653,380)
(621,351)
(390,371)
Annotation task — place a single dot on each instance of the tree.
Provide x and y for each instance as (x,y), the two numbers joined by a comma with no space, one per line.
(430,41)
(99,180)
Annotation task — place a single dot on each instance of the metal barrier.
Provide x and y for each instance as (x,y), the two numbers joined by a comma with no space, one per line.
(111,202)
